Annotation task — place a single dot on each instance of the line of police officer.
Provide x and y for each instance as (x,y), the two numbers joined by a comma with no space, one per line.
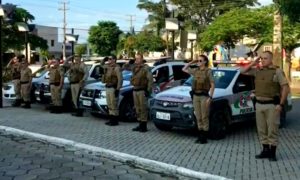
(21,78)
(271,89)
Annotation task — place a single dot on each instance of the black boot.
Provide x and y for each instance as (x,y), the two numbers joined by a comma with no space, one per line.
(272,156)
(59,109)
(114,121)
(27,105)
(53,109)
(204,139)
(265,153)
(78,112)
(138,128)
(143,127)
(17,103)
(110,120)
(200,137)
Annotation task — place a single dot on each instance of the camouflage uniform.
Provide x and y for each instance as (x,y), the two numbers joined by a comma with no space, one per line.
(15,68)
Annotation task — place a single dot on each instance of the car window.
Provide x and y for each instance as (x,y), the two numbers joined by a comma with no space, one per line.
(97,71)
(40,72)
(178,73)
(161,74)
(244,83)
(222,78)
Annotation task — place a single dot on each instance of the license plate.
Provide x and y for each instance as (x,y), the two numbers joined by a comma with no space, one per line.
(163,116)
(86,103)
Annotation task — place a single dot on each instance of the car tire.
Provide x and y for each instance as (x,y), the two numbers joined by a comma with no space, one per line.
(218,124)
(127,110)
(163,127)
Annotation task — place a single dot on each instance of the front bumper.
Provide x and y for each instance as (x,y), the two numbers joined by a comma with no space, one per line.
(42,97)
(173,116)
(93,105)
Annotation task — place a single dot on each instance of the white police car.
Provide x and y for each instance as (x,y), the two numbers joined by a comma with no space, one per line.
(232,102)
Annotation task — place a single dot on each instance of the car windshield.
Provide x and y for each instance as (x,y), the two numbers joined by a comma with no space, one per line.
(222,78)
(88,67)
(40,72)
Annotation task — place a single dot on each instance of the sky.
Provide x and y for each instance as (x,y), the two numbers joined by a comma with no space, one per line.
(82,14)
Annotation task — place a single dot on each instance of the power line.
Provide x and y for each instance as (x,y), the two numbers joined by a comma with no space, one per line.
(131,19)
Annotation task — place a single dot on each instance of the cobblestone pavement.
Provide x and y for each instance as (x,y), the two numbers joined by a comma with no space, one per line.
(232,157)
(25,159)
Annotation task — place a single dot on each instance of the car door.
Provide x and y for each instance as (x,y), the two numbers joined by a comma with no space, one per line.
(243,96)
(161,78)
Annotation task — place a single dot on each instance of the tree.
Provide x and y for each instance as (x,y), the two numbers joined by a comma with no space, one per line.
(232,26)
(104,37)
(13,39)
(80,49)
(290,8)
(147,41)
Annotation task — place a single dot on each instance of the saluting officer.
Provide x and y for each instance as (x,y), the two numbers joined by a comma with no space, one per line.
(14,66)
(77,76)
(56,81)
(113,82)
(25,81)
(142,82)
(271,90)
(203,87)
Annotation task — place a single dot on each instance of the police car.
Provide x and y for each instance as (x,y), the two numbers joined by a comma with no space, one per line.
(232,102)
(165,75)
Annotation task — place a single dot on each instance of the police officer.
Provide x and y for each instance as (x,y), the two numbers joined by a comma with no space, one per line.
(77,76)
(271,90)
(14,66)
(25,81)
(142,82)
(113,82)
(56,81)
(203,87)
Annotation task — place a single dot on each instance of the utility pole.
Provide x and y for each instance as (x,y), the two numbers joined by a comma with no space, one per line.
(131,19)
(64,9)
(1,59)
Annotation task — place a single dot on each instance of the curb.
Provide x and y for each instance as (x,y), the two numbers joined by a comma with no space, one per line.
(148,164)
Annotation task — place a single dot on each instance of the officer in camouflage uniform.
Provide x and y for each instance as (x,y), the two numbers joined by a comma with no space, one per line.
(25,81)
(271,90)
(77,76)
(14,66)
(203,87)
(56,81)
(142,82)
(113,82)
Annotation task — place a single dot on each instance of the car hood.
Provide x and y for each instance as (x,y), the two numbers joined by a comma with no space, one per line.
(101,86)
(182,94)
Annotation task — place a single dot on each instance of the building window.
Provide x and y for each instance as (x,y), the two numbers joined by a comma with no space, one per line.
(268,48)
(52,43)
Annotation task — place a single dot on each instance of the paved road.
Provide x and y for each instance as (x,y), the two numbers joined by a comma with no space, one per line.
(232,157)
(24,159)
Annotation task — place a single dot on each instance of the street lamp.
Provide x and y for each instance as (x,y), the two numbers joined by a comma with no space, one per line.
(23,27)
(192,36)
(172,25)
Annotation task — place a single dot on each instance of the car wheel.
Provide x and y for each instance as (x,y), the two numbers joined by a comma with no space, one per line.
(163,127)
(218,124)
(127,110)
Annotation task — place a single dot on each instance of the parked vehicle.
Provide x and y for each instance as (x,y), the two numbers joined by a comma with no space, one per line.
(232,102)
(167,75)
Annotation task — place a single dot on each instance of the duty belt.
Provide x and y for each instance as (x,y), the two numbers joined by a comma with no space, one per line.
(265,102)
(74,82)
(139,89)
(24,82)
(110,86)
(201,93)
(55,83)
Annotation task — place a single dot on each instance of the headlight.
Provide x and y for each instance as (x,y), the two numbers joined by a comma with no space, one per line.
(102,94)
(7,87)
(187,105)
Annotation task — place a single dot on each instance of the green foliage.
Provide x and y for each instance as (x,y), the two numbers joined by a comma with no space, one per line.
(80,49)
(104,37)
(232,26)
(254,23)
(13,39)
(290,8)
(144,42)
